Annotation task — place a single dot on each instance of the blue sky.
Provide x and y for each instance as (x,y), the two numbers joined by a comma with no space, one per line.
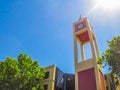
(43,29)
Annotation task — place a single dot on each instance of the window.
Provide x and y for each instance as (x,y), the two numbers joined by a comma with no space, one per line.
(106,88)
(46,75)
(105,77)
(45,87)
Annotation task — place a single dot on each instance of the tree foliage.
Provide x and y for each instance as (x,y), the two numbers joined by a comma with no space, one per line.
(112,55)
(21,74)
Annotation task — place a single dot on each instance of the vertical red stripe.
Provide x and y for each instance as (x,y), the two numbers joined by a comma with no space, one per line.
(86,80)
(102,81)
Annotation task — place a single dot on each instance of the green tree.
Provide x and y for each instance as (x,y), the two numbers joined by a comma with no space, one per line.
(21,74)
(111,56)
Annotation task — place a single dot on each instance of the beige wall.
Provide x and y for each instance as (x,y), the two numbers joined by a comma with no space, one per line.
(50,81)
(108,81)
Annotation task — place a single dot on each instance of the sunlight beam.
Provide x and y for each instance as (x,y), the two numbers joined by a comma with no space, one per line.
(109,4)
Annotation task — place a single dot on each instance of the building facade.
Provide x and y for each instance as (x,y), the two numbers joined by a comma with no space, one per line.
(112,82)
(49,79)
(55,79)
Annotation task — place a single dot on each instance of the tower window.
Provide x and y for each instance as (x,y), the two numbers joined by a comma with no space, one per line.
(45,87)
(46,75)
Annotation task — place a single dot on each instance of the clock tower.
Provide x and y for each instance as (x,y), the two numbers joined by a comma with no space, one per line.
(88,74)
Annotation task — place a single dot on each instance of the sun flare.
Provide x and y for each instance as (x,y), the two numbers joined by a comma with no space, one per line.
(109,4)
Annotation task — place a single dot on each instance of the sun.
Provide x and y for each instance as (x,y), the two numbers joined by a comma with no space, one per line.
(111,6)
(108,4)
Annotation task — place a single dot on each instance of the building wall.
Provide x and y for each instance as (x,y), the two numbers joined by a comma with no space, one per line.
(116,81)
(69,81)
(49,82)
(112,82)
(108,81)
(86,80)
(102,81)
(58,80)
(59,85)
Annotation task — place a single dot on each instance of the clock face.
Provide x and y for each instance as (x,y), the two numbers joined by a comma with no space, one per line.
(80,26)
